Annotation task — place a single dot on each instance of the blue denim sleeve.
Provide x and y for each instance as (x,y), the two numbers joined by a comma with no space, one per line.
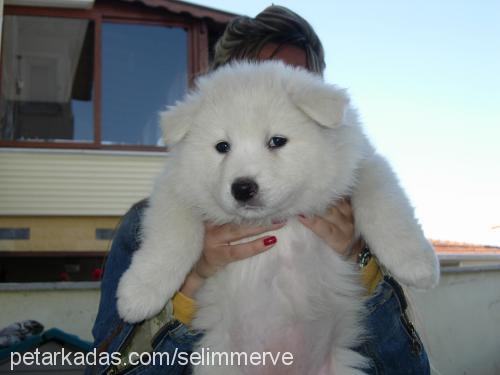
(109,331)
(125,243)
(392,345)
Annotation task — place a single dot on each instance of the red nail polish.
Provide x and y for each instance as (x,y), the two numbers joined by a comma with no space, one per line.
(302,216)
(276,221)
(270,241)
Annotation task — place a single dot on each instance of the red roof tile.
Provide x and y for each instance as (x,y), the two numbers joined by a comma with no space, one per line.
(463,248)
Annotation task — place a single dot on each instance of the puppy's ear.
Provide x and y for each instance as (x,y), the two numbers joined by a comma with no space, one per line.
(176,121)
(325,104)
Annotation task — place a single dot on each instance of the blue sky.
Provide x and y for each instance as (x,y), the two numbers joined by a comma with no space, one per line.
(425,76)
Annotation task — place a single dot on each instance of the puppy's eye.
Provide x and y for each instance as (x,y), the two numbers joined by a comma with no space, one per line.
(222,147)
(276,142)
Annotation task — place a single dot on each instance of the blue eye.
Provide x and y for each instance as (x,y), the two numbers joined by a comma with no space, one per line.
(276,142)
(223,147)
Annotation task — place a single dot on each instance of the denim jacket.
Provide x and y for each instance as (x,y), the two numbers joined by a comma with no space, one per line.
(392,345)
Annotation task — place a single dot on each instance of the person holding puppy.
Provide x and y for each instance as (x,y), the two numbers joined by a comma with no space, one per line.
(392,344)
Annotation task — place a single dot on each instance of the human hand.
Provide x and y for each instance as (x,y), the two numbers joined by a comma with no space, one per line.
(219,250)
(336,228)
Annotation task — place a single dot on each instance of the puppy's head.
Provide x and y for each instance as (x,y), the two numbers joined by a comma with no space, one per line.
(256,142)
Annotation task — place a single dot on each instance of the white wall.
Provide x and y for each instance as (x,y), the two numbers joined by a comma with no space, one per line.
(461,323)
(72,308)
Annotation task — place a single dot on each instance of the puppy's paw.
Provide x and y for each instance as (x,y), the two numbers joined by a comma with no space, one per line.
(137,300)
(420,274)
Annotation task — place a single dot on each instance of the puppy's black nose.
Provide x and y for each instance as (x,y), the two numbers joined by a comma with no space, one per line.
(244,189)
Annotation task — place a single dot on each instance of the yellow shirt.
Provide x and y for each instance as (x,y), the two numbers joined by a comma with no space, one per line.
(371,275)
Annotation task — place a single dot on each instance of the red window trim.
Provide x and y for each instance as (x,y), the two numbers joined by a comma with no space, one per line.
(118,12)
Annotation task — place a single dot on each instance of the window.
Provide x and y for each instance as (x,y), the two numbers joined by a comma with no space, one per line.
(144,68)
(89,81)
(47,79)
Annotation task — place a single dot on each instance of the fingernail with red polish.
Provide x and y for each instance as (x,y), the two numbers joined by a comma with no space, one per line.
(270,241)
(302,216)
(278,221)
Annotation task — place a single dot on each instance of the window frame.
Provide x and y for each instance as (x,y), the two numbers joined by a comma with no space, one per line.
(197,59)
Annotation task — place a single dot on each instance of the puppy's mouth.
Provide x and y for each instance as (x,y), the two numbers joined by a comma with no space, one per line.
(258,208)
(250,208)
(252,211)
(254,204)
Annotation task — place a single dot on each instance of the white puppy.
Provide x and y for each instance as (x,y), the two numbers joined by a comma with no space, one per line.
(254,143)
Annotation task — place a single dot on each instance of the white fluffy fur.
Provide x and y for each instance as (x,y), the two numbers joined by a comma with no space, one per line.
(300,296)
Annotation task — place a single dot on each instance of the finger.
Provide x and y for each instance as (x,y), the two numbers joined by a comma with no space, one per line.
(233,233)
(335,215)
(249,249)
(338,219)
(321,227)
(331,234)
(345,207)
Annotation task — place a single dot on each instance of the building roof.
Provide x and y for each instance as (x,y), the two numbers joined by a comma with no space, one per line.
(197,11)
(450,247)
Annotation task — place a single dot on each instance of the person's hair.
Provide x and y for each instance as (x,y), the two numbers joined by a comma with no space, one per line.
(245,37)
